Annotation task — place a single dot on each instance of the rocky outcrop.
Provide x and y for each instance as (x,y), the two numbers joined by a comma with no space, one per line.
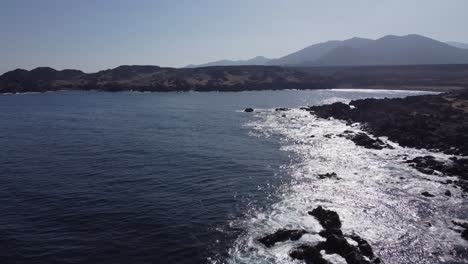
(335,242)
(327,218)
(431,121)
(281,109)
(363,140)
(454,167)
(464,225)
(281,236)
(331,175)
(427,194)
(248,110)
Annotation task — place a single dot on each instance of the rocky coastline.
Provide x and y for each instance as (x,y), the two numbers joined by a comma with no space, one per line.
(433,122)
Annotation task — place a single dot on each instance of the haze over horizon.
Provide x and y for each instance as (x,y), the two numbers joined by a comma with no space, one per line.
(93,35)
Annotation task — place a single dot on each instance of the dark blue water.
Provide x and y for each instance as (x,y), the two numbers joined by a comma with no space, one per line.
(91,177)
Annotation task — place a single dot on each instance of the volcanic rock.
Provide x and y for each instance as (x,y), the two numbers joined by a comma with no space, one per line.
(427,194)
(281,236)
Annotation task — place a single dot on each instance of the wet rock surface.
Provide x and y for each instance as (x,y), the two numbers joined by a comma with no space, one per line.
(454,167)
(331,175)
(464,225)
(281,109)
(281,236)
(248,110)
(328,219)
(336,242)
(429,121)
(427,194)
(362,139)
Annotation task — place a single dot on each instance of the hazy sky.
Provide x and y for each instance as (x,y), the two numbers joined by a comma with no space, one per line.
(98,34)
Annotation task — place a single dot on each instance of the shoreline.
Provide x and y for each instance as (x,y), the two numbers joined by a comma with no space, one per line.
(416,89)
(434,122)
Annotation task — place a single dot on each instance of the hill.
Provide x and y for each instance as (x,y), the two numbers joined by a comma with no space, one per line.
(388,50)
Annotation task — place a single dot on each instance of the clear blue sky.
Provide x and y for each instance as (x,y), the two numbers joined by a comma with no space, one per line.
(98,34)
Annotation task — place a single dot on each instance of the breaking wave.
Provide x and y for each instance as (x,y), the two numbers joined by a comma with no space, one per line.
(377,196)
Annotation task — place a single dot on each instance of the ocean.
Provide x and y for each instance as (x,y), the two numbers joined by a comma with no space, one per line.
(130,177)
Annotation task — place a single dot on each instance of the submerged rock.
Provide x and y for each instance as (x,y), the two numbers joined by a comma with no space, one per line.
(427,194)
(310,254)
(454,167)
(281,236)
(464,224)
(426,164)
(281,109)
(248,110)
(328,176)
(465,234)
(362,139)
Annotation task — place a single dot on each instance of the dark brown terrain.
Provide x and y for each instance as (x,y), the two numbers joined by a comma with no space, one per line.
(237,78)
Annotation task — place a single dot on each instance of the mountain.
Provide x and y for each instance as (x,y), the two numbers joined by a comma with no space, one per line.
(259,60)
(388,50)
(314,52)
(458,44)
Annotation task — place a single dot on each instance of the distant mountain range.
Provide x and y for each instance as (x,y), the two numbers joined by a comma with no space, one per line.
(458,44)
(259,60)
(389,50)
(391,61)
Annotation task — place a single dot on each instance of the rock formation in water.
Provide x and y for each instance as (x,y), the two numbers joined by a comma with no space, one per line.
(336,242)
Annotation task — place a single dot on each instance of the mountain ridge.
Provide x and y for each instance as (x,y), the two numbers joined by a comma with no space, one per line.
(412,49)
(258,60)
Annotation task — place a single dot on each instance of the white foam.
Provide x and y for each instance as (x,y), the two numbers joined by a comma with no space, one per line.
(371,199)
(382,91)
